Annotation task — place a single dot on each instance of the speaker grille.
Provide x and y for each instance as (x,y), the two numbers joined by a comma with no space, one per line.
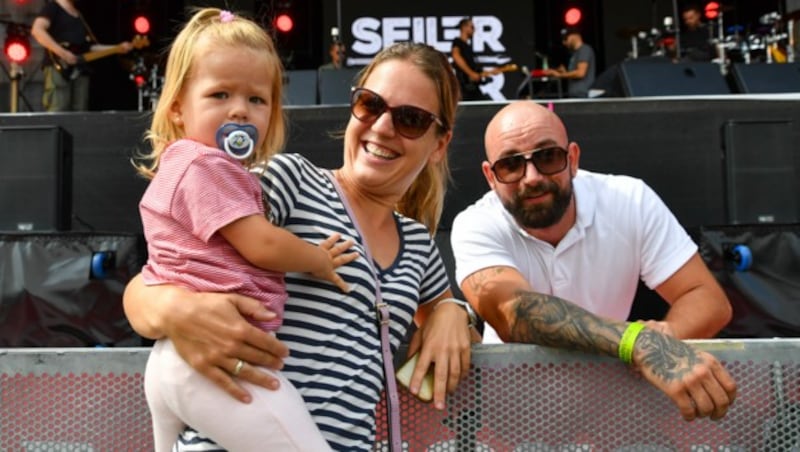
(35,169)
(761,176)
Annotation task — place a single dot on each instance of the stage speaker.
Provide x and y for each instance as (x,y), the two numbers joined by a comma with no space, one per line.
(671,79)
(767,78)
(35,178)
(300,87)
(761,176)
(335,84)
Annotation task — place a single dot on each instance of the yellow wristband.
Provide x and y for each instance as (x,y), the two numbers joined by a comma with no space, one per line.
(627,341)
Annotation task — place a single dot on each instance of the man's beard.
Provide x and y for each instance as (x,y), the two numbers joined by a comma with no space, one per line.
(540,215)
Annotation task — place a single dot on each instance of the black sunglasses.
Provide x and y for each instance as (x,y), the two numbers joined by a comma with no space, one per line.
(549,160)
(410,122)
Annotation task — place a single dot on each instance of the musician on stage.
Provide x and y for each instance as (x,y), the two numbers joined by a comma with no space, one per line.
(469,73)
(581,69)
(695,35)
(65,35)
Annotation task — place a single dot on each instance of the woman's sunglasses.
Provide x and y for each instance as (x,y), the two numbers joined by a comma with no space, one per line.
(548,161)
(410,122)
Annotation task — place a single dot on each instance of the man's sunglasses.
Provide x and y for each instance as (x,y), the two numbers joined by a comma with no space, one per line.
(410,122)
(548,161)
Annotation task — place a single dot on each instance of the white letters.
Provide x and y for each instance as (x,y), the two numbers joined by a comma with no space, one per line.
(372,34)
(367,40)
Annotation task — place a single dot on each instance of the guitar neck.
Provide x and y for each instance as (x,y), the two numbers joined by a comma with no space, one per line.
(97,54)
(506,68)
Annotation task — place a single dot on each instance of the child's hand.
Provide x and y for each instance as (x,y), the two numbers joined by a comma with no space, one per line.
(336,258)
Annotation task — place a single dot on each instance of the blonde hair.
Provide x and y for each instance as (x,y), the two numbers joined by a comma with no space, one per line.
(222,30)
(424,199)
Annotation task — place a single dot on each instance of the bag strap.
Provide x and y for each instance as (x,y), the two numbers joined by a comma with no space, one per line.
(88,29)
(382,312)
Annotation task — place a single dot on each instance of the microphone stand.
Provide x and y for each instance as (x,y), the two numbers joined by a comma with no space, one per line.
(677,29)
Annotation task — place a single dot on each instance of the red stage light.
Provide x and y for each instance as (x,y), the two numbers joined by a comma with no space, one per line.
(141,24)
(17,49)
(573,16)
(284,23)
(139,80)
(712,10)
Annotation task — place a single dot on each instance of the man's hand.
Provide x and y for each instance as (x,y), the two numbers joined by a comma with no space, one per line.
(694,380)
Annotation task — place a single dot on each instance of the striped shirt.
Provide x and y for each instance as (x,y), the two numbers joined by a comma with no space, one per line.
(335,356)
(197,191)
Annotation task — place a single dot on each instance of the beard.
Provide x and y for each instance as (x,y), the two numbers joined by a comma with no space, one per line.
(540,215)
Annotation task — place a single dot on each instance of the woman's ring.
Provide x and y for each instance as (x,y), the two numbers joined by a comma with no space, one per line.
(237,368)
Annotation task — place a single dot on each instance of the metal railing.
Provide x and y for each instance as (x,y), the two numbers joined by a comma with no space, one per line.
(516,398)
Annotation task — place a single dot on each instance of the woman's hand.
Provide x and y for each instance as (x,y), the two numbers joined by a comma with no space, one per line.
(444,339)
(210,331)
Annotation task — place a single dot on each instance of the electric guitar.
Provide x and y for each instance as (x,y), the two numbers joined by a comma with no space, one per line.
(72,71)
(469,85)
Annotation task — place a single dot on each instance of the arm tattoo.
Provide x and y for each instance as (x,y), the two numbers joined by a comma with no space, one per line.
(551,321)
(669,358)
(547,320)
(479,278)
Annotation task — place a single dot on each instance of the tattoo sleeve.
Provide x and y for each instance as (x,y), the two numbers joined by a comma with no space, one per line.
(551,321)
(547,320)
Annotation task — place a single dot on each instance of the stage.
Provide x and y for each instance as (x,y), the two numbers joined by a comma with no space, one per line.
(714,160)
(681,146)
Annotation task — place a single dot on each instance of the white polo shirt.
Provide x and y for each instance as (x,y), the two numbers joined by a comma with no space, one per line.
(623,232)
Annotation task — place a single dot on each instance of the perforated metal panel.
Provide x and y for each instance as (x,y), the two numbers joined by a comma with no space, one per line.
(525,398)
(73,400)
(516,398)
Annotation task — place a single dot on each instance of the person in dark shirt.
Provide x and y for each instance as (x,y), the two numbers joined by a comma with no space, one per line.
(62,31)
(695,35)
(469,73)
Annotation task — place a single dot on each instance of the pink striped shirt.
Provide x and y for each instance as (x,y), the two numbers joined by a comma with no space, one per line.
(196,191)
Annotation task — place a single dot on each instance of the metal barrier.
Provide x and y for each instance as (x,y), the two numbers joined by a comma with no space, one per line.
(516,398)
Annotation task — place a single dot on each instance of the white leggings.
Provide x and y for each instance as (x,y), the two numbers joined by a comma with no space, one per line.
(178,396)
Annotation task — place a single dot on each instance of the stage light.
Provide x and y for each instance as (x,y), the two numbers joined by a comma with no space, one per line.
(17,45)
(284,23)
(573,16)
(712,10)
(141,24)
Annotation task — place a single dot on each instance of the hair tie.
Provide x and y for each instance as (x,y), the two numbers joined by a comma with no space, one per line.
(225,16)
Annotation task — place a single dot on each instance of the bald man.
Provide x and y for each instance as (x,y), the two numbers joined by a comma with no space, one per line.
(552,255)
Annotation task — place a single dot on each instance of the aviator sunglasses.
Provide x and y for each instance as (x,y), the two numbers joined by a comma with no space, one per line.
(548,160)
(410,122)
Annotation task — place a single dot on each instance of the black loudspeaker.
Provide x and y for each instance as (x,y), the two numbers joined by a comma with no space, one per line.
(300,87)
(35,178)
(335,84)
(767,78)
(671,79)
(761,175)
